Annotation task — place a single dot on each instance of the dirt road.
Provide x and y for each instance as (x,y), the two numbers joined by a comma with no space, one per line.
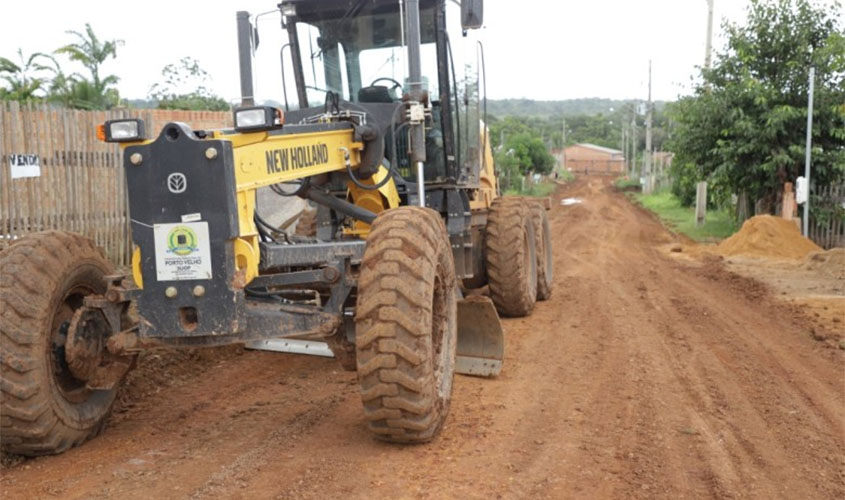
(643,376)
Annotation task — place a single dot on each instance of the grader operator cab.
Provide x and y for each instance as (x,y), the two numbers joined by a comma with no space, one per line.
(386,137)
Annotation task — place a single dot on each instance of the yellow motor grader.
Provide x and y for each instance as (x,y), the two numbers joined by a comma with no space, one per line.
(397,160)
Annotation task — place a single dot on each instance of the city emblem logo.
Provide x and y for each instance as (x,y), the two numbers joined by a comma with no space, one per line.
(182,241)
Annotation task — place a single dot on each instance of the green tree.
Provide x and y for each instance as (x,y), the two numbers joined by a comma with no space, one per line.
(602,129)
(530,153)
(24,80)
(96,91)
(185,87)
(744,127)
(507,169)
(60,88)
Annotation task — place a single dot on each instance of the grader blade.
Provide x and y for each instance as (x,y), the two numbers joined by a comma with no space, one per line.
(481,341)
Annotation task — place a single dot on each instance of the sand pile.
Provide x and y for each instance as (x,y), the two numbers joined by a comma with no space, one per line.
(768,236)
(831,262)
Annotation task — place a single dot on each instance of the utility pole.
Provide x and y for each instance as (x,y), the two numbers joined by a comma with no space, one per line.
(633,161)
(807,151)
(709,42)
(649,180)
(563,145)
(625,144)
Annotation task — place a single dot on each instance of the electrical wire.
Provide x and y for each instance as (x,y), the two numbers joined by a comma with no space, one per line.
(266,230)
(303,186)
(265,236)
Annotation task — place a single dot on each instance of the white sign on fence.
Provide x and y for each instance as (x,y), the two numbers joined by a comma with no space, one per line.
(801,190)
(22,166)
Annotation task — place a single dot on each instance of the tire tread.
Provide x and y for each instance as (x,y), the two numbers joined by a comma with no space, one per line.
(405,248)
(31,269)
(509,281)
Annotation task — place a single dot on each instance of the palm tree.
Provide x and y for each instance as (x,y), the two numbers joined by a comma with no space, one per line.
(22,78)
(60,89)
(91,52)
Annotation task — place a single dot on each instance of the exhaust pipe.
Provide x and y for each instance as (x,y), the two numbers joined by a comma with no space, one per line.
(245,58)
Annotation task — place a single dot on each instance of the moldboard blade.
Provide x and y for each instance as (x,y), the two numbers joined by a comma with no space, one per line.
(481,341)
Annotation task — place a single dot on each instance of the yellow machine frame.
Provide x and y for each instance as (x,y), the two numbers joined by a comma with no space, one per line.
(262,159)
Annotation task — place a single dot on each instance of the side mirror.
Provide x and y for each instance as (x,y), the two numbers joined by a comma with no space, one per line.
(472,14)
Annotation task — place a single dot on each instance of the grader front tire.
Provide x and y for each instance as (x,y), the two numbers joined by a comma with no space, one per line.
(43,280)
(406,325)
(511,257)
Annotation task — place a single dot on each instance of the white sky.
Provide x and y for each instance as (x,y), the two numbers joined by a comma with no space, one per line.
(535,49)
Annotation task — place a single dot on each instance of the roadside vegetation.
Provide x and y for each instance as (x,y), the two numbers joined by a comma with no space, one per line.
(743,129)
(601,126)
(719,223)
(625,183)
(44,77)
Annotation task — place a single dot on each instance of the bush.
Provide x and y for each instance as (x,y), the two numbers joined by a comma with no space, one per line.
(627,184)
(684,178)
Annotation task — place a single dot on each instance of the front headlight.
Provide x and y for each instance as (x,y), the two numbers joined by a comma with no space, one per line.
(257,118)
(288,10)
(128,130)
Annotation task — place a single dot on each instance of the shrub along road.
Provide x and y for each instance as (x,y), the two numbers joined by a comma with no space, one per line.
(641,377)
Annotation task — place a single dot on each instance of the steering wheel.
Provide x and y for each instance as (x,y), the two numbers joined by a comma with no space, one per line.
(396,85)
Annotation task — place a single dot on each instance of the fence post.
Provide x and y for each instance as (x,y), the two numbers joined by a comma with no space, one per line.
(742,206)
(700,203)
(788,206)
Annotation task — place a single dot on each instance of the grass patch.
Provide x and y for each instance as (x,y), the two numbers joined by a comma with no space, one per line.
(565,175)
(540,190)
(626,184)
(719,225)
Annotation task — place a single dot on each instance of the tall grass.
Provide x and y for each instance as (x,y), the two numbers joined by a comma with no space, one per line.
(719,223)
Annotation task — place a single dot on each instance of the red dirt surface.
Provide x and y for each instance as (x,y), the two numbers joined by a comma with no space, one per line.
(643,377)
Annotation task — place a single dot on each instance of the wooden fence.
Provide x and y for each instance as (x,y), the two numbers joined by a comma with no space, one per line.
(80,186)
(827,216)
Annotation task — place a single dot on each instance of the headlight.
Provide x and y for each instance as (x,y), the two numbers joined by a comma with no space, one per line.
(121,130)
(288,10)
(258,118)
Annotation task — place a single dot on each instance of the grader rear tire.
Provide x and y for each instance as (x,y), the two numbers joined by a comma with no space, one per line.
(511,257)
(543,244)
(406,325)
(43,280)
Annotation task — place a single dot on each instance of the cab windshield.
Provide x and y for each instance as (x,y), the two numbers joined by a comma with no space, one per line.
(360,55)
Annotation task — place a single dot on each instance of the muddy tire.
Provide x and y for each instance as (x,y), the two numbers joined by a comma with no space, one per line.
(406,325)
(511,257)
(543,246)
(43,279)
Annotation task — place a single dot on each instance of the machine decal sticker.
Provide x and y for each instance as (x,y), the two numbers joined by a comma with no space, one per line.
(182,241)
(183,251)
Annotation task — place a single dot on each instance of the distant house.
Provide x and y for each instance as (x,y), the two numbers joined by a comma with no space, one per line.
(592,159)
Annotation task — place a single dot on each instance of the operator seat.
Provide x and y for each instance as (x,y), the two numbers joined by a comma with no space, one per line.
(375,94)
